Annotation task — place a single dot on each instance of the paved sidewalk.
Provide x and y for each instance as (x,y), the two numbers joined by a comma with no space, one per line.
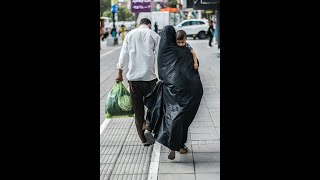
(123,157)
(121,154)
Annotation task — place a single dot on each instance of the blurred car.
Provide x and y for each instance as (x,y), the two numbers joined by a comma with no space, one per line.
(194,27)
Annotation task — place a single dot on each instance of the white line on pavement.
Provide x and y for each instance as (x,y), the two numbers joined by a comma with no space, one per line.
(104,125)
(110,51)
(155,160)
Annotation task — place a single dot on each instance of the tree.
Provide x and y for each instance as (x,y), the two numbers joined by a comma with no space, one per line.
(172,3)
(107,13)
(105,5)
(124,14)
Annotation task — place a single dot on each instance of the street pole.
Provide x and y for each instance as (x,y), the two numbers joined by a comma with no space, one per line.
(199,14)
(113,31)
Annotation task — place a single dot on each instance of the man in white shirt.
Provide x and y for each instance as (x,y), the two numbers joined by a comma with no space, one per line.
(139,52)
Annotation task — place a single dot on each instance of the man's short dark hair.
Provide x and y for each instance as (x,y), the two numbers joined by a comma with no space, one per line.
(145,21)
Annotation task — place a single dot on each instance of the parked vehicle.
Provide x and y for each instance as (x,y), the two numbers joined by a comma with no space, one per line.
(194,27)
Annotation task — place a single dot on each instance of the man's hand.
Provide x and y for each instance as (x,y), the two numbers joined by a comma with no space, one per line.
(119,78)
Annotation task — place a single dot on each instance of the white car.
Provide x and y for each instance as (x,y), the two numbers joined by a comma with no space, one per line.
(194,27)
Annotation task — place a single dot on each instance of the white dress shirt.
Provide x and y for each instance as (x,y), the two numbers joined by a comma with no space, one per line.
(139,53)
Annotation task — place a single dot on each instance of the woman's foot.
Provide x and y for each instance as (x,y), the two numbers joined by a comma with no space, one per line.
(184,149)
(171,155)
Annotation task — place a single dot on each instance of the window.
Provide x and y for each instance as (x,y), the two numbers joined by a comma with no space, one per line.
(186,23)
(195,23)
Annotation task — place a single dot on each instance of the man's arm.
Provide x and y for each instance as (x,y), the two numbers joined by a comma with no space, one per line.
(156,50)
(123,59)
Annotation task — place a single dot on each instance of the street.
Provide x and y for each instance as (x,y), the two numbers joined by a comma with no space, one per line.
(122,155)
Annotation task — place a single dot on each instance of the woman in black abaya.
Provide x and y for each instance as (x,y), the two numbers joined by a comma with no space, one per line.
(175,100)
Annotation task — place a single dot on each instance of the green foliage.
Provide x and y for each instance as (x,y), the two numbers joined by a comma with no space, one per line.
(107,14)
(172,3)
(124,14)
(105,5)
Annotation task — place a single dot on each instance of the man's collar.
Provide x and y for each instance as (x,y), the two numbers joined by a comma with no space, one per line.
(143,26)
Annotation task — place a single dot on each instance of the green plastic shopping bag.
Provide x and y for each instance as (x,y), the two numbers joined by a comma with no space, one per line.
(119,103)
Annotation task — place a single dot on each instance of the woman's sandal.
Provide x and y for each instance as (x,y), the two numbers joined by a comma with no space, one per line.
(184,149)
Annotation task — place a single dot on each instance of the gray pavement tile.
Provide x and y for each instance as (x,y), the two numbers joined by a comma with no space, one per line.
(199,137)
(202,119)
(113,177)
(202,130)
(189,137)
(203,106)
(141,168)
(102,166)
(180,158)
(126,158)
(213,104)
(117,169)
(214,113)
(201,124)
(130,177)
(216,118)
(107,177)
(176,177)
(145,168)
(120,158)
(110,132)
(132,168)
(139,176)
(210,92)
(132,143)
(206,167)
(206,157)
(209,141)
(108,169)
(136,169)
(194,142)
(218,130)
(207,176)
(124,168)
(211,97)
(203,113)
(166,150)
(216,123)
(176,168)
(102,158)
(127,170)
(101,177)
(206,148)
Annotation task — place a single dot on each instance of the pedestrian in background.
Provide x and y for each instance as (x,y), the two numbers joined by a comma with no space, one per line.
(210,32)
(155,27)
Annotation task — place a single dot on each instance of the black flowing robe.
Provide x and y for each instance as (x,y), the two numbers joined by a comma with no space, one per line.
(174,102)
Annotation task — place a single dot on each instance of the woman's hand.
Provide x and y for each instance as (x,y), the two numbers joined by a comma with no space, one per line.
(196,66)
